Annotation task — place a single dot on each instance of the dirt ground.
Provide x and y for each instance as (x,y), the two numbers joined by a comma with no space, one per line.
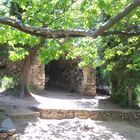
(77,129)
(54,99)
(70,129)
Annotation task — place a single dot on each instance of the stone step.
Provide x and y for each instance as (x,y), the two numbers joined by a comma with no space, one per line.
(24,115)
(95,114)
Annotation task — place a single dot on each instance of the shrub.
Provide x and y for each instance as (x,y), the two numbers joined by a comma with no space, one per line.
(8,82)
(136,96)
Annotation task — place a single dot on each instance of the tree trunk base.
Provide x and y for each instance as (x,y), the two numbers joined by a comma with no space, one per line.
(130,97)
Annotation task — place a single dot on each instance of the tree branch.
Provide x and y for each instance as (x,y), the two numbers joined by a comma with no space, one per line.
(50,33)
(20,14)
(121,33)
(62,14)
(116,18)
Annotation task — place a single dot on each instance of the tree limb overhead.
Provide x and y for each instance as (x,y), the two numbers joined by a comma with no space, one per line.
(53,33)
(121,33)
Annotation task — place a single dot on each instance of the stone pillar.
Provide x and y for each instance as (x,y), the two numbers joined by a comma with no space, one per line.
(89,82)
(37,74)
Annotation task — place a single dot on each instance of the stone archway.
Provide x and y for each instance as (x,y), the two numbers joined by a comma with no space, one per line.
(64,74)
(68,75)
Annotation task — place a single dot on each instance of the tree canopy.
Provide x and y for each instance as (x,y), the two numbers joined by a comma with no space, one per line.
(64,19)
(100,32)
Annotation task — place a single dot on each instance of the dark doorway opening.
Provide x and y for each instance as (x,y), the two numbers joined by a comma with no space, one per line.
(53,76)
(63,74)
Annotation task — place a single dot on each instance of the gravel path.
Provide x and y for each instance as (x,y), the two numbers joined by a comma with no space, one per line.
(77,129)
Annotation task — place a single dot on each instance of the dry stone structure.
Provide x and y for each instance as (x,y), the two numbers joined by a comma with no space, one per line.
(104,114)
(37,75)
(61,72)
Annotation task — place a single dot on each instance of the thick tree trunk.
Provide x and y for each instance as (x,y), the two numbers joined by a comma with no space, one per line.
(130,97)
(114,84)
(25,75)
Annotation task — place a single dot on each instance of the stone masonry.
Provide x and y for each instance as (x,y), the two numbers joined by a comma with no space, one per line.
(89,81)
(37,73)
(66,72)
(92,114)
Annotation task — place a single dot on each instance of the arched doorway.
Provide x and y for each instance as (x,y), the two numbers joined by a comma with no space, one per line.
(63,74)
(67,75)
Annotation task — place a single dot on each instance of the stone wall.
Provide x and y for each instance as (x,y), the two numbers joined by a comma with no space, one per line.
(66,73)
(92,114)
(37,74)
(5,135)
(89,81)
(9,68)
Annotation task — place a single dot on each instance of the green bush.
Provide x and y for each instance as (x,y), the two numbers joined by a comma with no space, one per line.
(136,95)
(8,82)
(124,102)
(120,99)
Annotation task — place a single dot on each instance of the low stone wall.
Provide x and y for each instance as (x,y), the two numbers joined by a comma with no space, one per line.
(92,114)
(8,135)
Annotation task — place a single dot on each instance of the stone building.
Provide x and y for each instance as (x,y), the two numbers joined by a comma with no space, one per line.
(59,73)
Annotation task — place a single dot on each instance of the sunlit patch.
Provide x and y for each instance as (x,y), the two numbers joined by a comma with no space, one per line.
(1,90)
(54,103)
(102,97)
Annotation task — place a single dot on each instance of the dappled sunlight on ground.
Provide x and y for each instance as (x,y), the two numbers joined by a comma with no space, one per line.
(77,129)
(53,99)
(67,100)
(54,103)
(1,90)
